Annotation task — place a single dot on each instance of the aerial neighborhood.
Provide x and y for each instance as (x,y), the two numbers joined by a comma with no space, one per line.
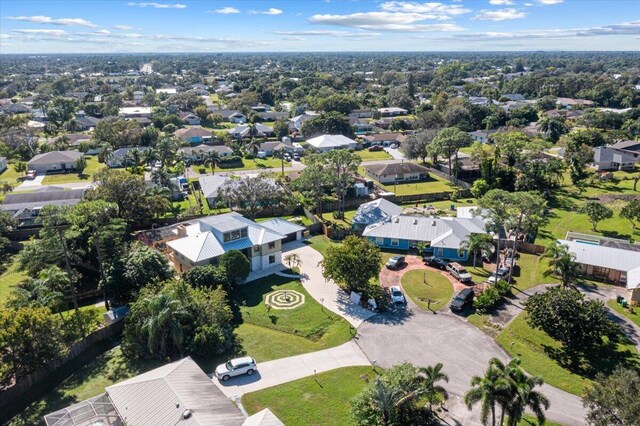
(398,238)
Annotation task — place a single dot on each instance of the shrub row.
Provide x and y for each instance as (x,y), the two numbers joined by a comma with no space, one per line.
(492,297)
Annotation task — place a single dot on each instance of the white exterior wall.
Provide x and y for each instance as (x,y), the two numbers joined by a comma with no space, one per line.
(256,263)
(265,260)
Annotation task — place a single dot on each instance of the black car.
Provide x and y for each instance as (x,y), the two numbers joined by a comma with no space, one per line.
(436,262)
(462,299)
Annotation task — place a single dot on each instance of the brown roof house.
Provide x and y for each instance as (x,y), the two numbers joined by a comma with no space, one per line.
(397,172)
(194,135)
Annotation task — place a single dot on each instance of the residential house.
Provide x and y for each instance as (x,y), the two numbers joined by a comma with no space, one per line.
(167,91)
(385,139)
(3,164)
(440,236)
(568,114)
(290,230)
(189,118)
(203,242)
(194,135)
(387,173)
(269,148)
(179,393)
(244,131)
(326,143)
(12,108)
(609,259)
(295,123)
(230,115)
(392,111)
(361,125)
(86,122)
(571,103)
(374,212)
(198,153)
(273,115)
(199,92)
(54,161)
(25,206)
(135,112)
(261,108)
(361,113)
(210,185)
(481,136)
(628,147)
(607,158)
(513,96)
(120,157)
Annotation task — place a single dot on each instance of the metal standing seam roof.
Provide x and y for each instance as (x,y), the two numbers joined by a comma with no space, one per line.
(263,418)
(211,184)
(282,226)
(162,396)
(331,141)
(607,257)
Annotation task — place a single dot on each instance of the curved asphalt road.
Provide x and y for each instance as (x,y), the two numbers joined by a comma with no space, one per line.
(424,338)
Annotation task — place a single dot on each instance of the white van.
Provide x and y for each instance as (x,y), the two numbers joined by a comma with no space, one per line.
(459,273)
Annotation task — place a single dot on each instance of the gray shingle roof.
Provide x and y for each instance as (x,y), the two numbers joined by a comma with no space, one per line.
(395,168)
(55,157)
(28,200)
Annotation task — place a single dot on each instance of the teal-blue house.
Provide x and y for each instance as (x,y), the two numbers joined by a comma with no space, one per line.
(440,236)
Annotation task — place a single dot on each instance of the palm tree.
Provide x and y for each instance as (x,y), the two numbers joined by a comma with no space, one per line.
(134,157)
(150,156)
(162,327)
(106,153)
(525,396)
(488,391)
(386,399)
(553,127)
(475,245)
(279,153)
(253,146)
(428,382)
(213,159)
(35,293)
(562,263)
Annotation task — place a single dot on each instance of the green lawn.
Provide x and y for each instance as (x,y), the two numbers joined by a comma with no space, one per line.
(276,333)
(366,155)
(84,381)
(543,356)
(10,278)
(430,186)
(320,243)
(92,167)
(437,288)
(529,272)
(270,164)
(635,317)
(320,400)
(10,175)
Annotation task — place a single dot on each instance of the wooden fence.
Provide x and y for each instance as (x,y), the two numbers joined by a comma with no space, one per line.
(30,383)
(523,246)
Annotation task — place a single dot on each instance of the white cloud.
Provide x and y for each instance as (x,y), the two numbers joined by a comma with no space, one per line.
(550,1)
(329,33)
(159,5)
(225,10)
(500,2)
(270,11)
(384,21)
(123,27)
(499,15)
(69,22)
(50,33)
(433,8)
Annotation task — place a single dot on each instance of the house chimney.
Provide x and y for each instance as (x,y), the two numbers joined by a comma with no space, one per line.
(397,220)
(182,231)
(433,223)
(415,221)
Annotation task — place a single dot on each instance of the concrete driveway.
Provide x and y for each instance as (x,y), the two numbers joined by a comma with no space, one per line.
(325,292)
(425,339)
(273,373)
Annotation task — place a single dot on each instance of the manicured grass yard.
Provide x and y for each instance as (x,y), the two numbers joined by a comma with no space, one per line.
(432,185)
(321,243)
(10,175)
(276,333)
(529,272)
(271,164)
(92,167)
(437,288)
(635,317)
(543,356)
(366,155)
(320,400)
(10,278)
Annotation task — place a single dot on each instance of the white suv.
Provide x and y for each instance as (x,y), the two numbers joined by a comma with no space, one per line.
(396,295)
(236,367)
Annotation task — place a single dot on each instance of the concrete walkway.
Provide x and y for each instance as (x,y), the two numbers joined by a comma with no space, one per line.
(273,373)
(325,292)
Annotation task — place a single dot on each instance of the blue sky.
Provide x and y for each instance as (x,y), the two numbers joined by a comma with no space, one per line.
(93,26)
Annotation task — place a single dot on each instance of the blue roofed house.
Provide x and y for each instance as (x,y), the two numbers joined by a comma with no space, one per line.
(373,212)
(441,236)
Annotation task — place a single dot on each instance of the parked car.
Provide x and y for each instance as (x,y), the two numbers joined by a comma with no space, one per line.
(31,174)
(395,262)
(287,157)
(502,274)
(462,299)
(397,296)
(458,272)
(236,367)
(436,262)
(393,146)
(376,148)
(296,156)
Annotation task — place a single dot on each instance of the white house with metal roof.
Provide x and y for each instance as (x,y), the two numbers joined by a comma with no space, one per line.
(203,242)
(373,212)
(618,263)
(326,143)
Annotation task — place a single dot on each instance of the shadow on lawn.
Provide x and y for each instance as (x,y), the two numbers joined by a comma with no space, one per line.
(603,358)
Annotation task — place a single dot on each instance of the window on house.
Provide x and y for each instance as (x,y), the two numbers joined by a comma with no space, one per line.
(272,245)
(235,235)
(256,248)
(272,259)
(379,240)
(395,242)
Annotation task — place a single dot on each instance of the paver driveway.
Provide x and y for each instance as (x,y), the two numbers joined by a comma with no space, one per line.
(424,338)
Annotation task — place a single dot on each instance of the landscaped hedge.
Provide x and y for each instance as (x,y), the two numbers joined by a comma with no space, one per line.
(230,162)
(492,297)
